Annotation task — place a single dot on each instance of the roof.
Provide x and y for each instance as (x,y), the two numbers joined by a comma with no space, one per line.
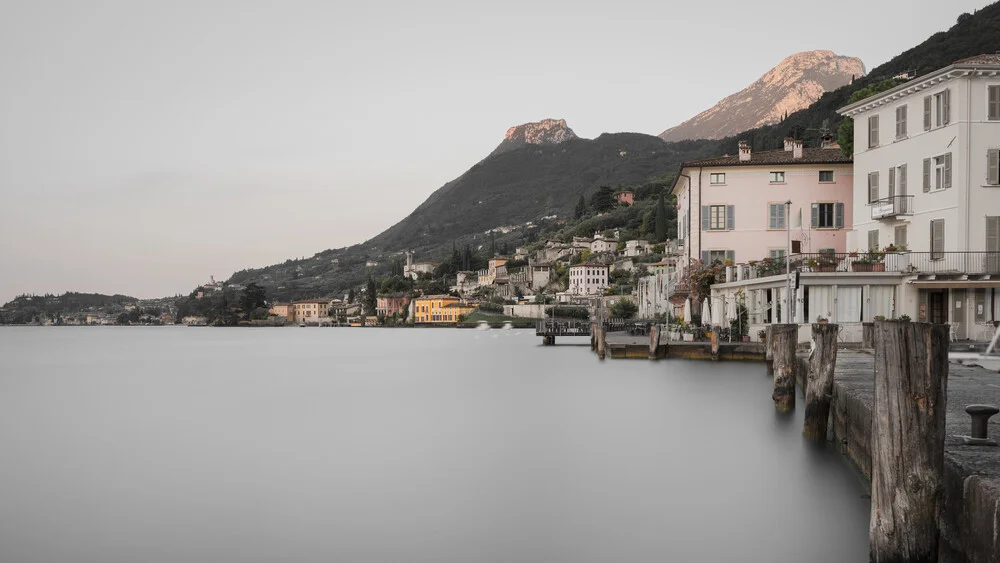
(441,296)
(958,68)
(304,301)
(779,156)
(588,265)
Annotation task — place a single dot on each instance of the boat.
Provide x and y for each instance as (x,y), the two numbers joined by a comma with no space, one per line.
(508,326)
(483,325)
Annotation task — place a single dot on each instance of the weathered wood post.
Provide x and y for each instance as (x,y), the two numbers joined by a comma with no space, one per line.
(783,340)
(819,387)
(654,341)
(768,351)
(868,335)
(593,336)
(601,335)
(715,342)
(911,386)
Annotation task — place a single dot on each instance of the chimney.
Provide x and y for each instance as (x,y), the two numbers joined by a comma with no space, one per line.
(796,149)
(744,151)
(789,141)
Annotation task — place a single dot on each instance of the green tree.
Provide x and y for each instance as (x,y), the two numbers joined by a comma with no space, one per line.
(581,208)
(351,296)
(253,297)
(602,200)
(661,220)
(624,309)
(370,301)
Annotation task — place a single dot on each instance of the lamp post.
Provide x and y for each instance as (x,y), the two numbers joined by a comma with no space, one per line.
(788,262)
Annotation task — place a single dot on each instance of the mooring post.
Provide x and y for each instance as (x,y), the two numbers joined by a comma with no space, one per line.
(783,340)
(768,351)
(868,335)
(601,334)
(911,388)
(593,336)
(819,386)
(715,343)
(654,341)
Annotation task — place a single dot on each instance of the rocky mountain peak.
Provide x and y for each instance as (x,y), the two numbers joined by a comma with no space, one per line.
(544,132)
(792,85)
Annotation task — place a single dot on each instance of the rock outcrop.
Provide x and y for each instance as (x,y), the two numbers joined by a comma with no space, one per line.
(544,132)
(794,84)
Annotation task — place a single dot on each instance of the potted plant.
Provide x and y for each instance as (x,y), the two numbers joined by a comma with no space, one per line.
(822,320)
(904,318)
(762,335)
(871,261)
(879,317)
(689,334)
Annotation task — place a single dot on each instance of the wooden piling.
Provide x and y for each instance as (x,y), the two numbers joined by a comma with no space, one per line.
(601,335)
(654,341)
(593,336)
(768,352)
(911,385)
(868,335)
(783,340)
(819,386)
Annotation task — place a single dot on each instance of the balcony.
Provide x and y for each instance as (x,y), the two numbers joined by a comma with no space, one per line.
(892,206)
(945,263)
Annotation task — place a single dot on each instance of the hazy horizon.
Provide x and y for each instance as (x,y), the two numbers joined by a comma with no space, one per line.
(146,146)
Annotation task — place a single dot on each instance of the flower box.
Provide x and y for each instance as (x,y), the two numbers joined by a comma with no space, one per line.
(688,337)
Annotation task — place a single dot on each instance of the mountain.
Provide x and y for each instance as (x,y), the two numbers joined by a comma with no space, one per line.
(794,84)
(544,132)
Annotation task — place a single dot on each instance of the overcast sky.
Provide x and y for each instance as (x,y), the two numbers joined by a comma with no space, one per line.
(145,145)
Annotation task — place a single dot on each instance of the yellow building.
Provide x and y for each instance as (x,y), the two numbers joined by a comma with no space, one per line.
(439,309)
(286,310)
(312,310)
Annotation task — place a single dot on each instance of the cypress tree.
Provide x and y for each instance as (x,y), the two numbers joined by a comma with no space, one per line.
(661,220)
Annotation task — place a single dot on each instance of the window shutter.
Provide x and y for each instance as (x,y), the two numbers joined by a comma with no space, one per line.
(706,216)
(937,239)
(731,255)
(772,216)
(872,187)
(993,164)
(902,180)
(838,216)
(993,112)
(704,257)
(927,113)
(730,217)
(946,106)
(892,181)
(815,215)
(993,234)
(947,170)
(872,239)
(927,175)
(900,235)
(873,131)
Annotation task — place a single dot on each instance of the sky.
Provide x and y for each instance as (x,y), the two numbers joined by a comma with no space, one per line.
(148,145)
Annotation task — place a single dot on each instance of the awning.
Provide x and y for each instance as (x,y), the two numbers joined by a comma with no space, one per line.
(955,284)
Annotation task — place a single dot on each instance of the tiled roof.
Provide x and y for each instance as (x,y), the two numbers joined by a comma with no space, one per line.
(588,265)
(780,156)
(984,59)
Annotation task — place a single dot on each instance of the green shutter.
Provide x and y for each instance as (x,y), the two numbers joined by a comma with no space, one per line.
(937,239)
(838,215)
(706,217)
(815,215)
(730,217)
(927,175)
(947,170)
(993,163)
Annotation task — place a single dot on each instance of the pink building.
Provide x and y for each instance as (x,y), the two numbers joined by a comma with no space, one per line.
(626,197)
(733,207)
(388,306)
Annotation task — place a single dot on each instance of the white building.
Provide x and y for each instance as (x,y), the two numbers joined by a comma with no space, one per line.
(588,279)
(601,244)
(927,177)
(413,269)
(637,248)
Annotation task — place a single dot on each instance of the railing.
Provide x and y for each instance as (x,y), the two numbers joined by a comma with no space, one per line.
(974,263)
(892,206)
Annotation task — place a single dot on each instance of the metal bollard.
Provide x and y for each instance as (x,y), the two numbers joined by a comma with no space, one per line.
(980,425)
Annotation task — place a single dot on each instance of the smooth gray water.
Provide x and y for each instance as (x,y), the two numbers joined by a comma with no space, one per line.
(183,444)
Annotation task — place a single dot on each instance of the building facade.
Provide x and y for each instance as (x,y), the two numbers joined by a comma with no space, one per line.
(390,305)
(439,309)
(588,279)
(734,207)
(311,311)
(286,310)
(927,171)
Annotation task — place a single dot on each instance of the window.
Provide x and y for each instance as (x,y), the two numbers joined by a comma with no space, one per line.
(993,234)
(993,167)
(937,239)
(993,103)
(872,187)
(776,254)
(901,122)
(899,236)
(927,113)
(901,181)
(872,240)
(718,217)
(942,106)
(828,215)
(892,181)
(826,175)
(718,178)
(873,131)
(776,216)
(942,171)
(712,256)
(777,177)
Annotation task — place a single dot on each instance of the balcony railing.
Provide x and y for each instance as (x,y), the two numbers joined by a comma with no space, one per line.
(892,206)
(971,263)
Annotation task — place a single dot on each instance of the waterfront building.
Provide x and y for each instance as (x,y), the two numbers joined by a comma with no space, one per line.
(311,311)
(733,207)
(286,310)
(927,177)
(439,309)
(588,279)
(390,305)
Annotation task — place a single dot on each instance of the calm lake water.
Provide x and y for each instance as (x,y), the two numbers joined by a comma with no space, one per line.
(180,444)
